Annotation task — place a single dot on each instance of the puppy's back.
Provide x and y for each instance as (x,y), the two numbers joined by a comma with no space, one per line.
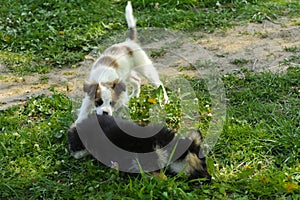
(132,137)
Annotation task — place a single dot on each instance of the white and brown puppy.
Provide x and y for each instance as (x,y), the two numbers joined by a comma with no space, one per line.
(122,133)
(119,66)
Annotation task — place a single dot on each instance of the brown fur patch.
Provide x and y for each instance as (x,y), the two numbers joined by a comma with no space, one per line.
(111,84)
(129,50)
(92,89)
(197,141)
(194,162)
(160,176)
(119,50)
(118,88)
(108,61)
(195,137)
(98,94)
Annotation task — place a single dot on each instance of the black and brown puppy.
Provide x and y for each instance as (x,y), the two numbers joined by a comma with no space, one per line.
(134,147)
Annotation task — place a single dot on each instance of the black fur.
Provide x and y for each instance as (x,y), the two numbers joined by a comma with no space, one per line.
(113,129)
(75,143)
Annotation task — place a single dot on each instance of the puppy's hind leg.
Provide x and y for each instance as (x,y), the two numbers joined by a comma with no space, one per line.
(135,82)
(150,73)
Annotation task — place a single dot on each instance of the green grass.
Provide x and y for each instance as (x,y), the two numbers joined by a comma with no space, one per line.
(36,36)
(292,49)
(241,61)
(256,157)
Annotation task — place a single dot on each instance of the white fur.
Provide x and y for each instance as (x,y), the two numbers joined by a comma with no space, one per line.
(105,107)
(135,82)
(162,156)
(80,154)
(86,107)
(130,67)
(182,165)
(129,15)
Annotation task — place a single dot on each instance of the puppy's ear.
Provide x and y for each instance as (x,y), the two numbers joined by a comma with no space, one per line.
(90,88)
(113,84)
(195,137)
(119,87)
(195,147)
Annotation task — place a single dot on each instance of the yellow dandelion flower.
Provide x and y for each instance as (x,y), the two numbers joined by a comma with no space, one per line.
(151,100)
(61,32)
(290,187)
(247,167)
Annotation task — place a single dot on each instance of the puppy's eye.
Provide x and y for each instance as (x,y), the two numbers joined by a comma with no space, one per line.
(112,103)
(98,102)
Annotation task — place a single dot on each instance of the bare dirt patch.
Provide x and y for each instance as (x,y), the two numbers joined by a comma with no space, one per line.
(257,47)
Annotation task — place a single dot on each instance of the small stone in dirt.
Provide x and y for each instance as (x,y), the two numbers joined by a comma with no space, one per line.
(63,80)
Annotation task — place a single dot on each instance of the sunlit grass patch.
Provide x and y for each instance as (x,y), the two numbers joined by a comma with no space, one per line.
(58,34)
(257,155)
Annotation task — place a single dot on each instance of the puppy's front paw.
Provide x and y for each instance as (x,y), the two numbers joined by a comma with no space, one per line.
(80,154)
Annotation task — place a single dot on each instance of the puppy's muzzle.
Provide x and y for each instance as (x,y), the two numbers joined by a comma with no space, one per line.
(104,111)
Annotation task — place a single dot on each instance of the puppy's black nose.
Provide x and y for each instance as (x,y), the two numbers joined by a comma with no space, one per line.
(105,113)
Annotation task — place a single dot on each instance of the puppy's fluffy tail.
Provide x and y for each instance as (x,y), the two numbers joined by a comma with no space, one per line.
(131,22)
